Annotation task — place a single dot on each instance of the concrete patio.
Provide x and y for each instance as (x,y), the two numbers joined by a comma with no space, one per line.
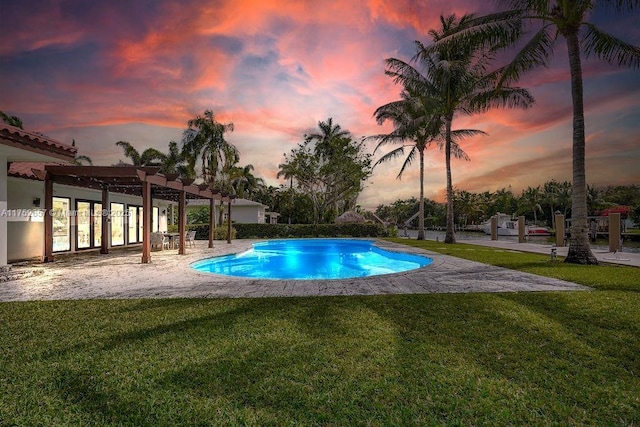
(121,275)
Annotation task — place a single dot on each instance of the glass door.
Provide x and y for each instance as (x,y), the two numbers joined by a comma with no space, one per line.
(88,224)
(117,224)
(97,224)
(61,224)
(83,225)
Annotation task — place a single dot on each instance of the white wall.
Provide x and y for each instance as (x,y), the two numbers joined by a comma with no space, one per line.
(25,236)
(241,213)
(246,214)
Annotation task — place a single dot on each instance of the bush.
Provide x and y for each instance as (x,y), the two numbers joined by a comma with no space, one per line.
(271,231)
(219,233)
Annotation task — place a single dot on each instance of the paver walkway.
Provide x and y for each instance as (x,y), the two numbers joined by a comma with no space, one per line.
(121,275)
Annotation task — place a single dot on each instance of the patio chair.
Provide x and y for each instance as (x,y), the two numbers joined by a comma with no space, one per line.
(158,240)
(190,238)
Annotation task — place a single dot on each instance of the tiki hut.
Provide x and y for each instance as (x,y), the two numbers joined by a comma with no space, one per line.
(350,217)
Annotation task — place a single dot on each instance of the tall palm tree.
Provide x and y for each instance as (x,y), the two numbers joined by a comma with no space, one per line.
(414,119)
(463,85)
(149,157)
(552,20)
(204,139)
(328,133)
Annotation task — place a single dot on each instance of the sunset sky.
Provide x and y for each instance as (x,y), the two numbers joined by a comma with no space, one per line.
(102,71)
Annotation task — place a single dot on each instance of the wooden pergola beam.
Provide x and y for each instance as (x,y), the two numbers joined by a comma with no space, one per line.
(137,181)
(146,222)
(182,220)
(48,221)
(106,222)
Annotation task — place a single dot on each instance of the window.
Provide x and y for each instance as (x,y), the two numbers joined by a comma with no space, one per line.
(61,224)
(155,218)
(117,224)
(97,224)
(88,224)
(83,225)
(133,224)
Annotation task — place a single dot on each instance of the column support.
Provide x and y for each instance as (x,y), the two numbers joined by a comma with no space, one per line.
(182,220)
(229,222)
(212,225)
(48,221)
(106,222)
(146,222)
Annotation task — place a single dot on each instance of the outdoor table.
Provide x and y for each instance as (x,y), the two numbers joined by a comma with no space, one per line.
(174,239)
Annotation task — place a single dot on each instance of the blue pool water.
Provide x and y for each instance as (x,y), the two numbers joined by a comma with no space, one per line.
(312,259)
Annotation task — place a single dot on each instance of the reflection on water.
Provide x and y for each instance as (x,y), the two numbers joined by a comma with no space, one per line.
(461,236)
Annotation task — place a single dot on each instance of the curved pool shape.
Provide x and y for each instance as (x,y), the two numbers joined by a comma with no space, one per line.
(305,259)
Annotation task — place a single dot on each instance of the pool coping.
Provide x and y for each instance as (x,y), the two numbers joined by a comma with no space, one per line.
(170,276)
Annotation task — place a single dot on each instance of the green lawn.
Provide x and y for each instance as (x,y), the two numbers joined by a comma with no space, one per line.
(564,358)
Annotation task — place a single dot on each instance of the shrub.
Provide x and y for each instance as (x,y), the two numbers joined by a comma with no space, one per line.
(219,233)
(270,231)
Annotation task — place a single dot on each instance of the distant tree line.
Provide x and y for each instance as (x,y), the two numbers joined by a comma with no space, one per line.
(537,204)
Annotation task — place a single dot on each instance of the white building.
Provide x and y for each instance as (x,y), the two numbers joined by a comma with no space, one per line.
(244,211)
(35,173)
(78,224)
(17,145)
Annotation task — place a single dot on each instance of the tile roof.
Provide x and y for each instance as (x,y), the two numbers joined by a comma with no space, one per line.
(32,141)
(24,169)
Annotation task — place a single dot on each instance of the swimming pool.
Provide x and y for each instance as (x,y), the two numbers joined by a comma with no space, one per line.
(305,259)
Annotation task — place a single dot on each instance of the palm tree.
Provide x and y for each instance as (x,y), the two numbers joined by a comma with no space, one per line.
(80,160)
(569,20)
(529,201)
(468,205)
(414,119)
(205,140)
(149,157)
(462,83)
(244,182)
(175,162)
(328,133)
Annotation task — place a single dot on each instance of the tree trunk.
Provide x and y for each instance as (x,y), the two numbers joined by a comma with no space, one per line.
(449,236)
(421,207)
(579,250)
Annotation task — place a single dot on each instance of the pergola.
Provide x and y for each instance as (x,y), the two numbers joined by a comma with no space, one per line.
(146,182)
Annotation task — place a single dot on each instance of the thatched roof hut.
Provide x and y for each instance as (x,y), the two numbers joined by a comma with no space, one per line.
(350,217)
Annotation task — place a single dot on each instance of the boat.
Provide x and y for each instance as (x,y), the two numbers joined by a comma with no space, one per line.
(509,227)
(537,230)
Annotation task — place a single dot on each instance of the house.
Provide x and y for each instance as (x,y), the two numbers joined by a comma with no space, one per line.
(17,145)
(49,206)
(244,211)
(77,222)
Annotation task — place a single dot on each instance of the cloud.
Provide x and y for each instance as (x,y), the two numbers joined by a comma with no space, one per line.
(103,71)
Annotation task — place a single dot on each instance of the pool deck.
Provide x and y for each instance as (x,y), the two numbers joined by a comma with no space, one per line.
(120,274)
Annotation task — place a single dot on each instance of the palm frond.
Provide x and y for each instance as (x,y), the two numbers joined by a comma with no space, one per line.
(460,134)
(609,48)
(130,152)
(509,97)
(537,51)
(494,31)
(391,155)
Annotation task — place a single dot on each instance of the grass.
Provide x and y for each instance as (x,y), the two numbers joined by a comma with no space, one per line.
(603,277)
(561,358)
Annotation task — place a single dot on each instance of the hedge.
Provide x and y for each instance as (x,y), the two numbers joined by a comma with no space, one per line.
(274,231)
